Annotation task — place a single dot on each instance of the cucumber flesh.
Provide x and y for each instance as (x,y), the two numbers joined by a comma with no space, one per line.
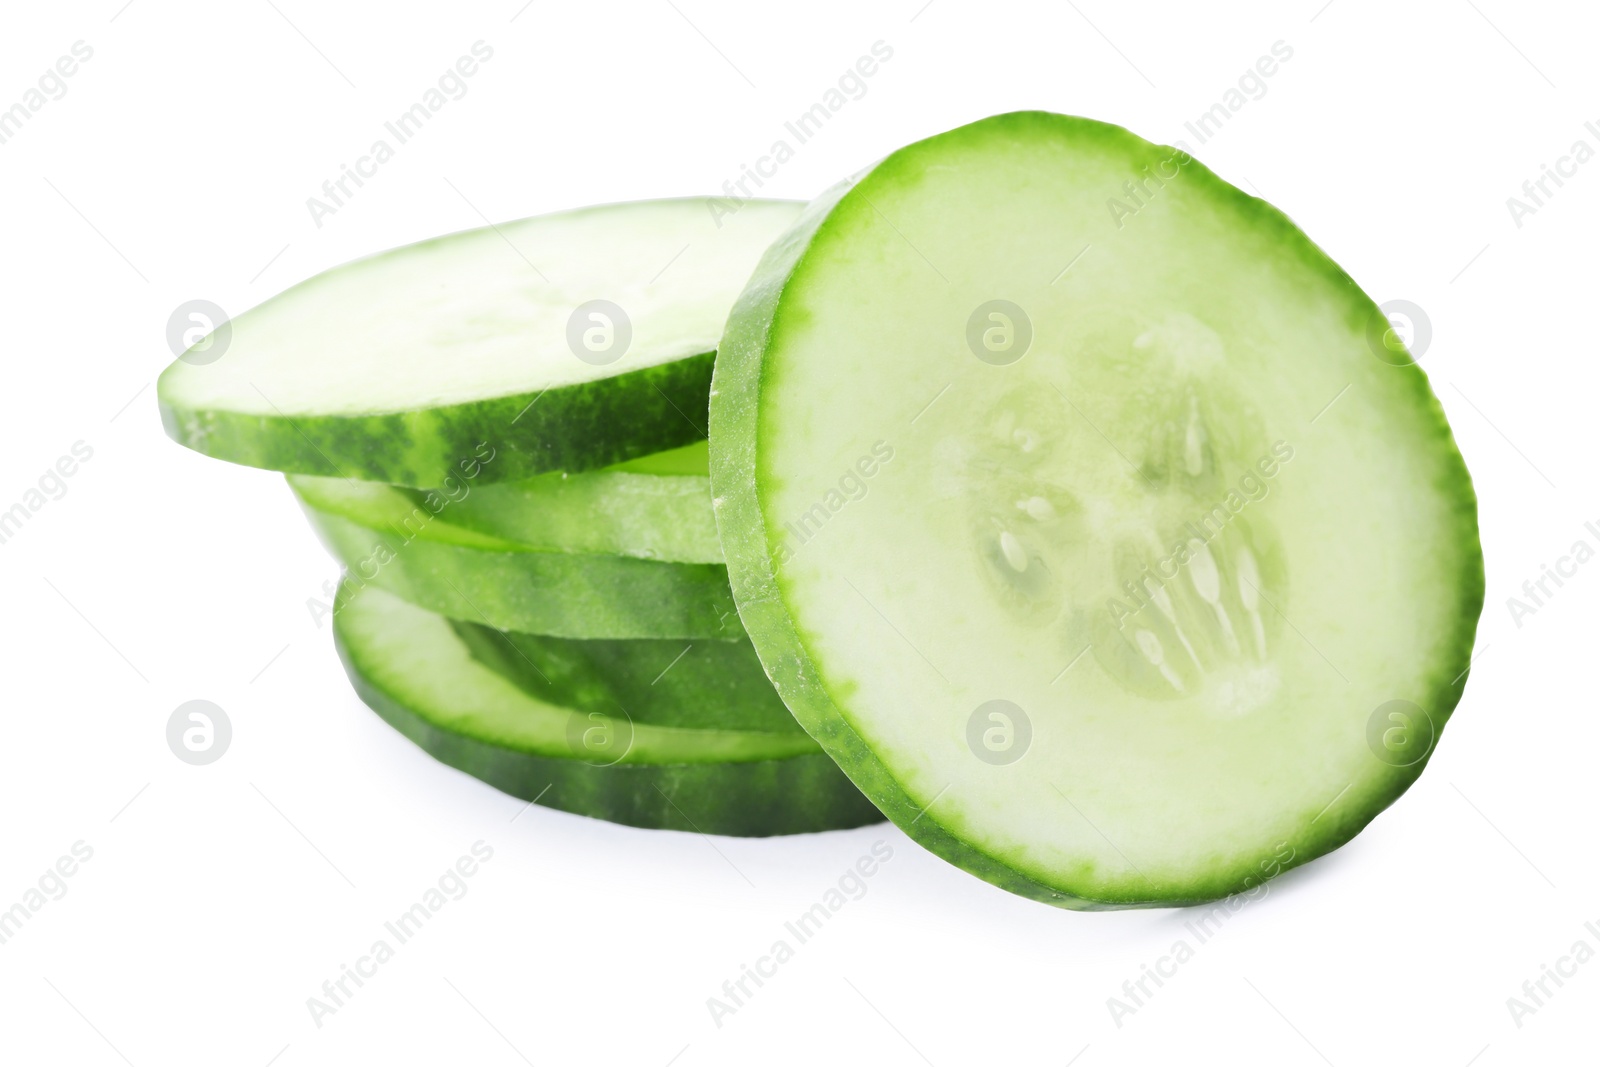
(406,366)
(411,548)
(692,458)
(711,684)
(410,667)
(655,507)
(1158,537)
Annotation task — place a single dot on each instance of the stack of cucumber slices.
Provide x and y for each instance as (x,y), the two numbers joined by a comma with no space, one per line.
(1121,557)
(501,435)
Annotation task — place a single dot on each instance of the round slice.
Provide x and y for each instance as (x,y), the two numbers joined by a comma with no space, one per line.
(562,342)
(411,668)
(707,683)
(409,545)
(1090,516)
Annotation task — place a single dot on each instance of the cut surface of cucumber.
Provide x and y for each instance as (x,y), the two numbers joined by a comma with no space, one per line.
(409,546)
(410,667)
(1070,504)
(561,342)
(705,683)
(654,507)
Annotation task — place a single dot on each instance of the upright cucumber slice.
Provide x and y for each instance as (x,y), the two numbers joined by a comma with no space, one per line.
(410,667)
(654,507)
(1074,501)
(412,548)
(566,341)
(711,684)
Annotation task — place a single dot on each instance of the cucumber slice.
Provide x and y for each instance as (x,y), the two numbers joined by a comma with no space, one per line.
(411,548)
(411,668)
(690,459)
(409,366)
(654,507)
(1096,578)
(711,684)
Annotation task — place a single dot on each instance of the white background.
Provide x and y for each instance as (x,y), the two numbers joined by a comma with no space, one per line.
(219,898)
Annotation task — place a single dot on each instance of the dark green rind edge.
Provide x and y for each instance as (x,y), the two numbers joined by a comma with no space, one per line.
(589,595)
(572,428)
(710,685)
(734,427)
(761,798)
